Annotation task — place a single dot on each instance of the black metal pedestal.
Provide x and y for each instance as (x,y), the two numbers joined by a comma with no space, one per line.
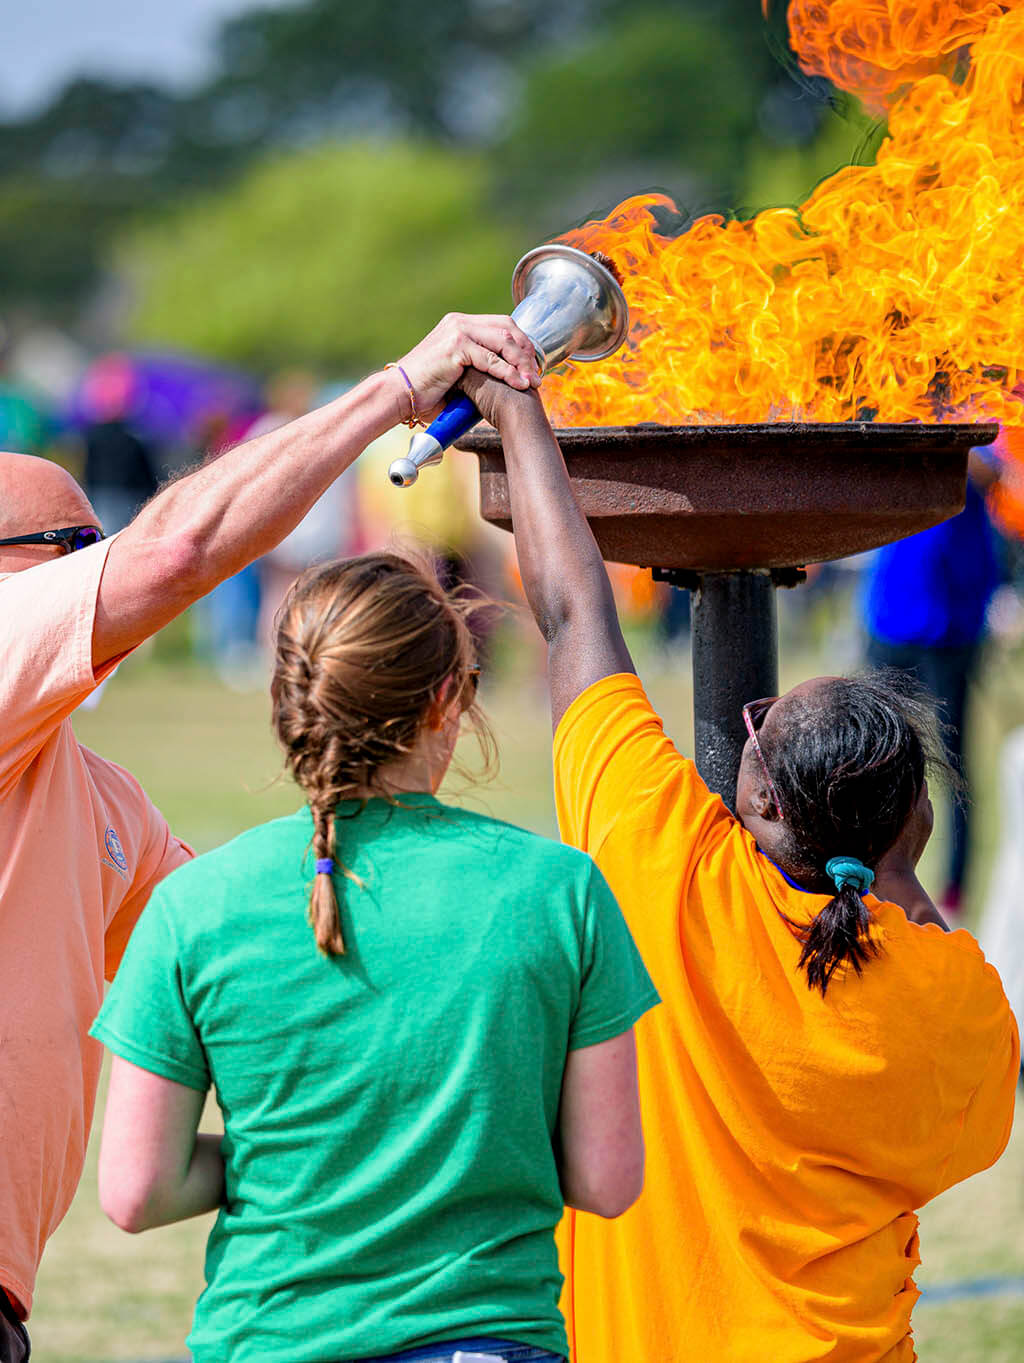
(735,660)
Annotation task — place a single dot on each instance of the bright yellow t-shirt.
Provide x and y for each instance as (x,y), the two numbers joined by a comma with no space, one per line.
(789,1136)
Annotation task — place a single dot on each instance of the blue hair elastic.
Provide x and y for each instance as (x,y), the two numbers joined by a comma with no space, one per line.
(324,866)
(850,871)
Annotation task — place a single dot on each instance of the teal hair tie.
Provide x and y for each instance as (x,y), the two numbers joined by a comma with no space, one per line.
(850,871)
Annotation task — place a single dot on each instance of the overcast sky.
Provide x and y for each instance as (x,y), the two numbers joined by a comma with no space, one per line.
(43,42)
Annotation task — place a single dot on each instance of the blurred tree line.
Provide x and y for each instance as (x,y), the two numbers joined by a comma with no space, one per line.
(351,171)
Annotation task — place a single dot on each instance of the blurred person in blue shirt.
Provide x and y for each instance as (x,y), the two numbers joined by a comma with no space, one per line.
(923,604)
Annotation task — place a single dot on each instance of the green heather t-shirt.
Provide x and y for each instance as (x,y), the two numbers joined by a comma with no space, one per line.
(388,1114)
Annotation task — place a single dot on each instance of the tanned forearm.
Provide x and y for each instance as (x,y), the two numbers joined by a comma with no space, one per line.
(564,576)
(208,524)
(242,503)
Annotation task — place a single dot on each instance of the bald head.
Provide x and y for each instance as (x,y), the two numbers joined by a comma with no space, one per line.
(36,494)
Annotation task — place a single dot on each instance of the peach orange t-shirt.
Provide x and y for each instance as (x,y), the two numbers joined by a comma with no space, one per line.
(789,1137)
(83,847)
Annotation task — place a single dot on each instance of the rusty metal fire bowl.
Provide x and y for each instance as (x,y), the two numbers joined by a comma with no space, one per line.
(723,498)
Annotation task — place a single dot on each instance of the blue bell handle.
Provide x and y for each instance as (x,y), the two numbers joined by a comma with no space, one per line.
(458,416)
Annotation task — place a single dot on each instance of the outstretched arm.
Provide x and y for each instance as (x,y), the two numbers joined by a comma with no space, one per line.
(211,523)
(563,574)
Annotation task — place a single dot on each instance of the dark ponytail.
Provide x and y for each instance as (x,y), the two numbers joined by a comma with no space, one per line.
(839,933)
(849,760)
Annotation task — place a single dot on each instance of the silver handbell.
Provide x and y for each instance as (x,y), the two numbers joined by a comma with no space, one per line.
(570,306)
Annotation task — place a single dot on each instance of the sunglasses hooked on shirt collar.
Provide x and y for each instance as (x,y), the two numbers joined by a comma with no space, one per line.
(69,539)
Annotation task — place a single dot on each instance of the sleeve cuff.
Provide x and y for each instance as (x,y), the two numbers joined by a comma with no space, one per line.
(175,1070)
(604,1031)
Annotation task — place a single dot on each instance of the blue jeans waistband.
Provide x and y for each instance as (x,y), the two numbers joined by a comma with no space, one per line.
(507,1349)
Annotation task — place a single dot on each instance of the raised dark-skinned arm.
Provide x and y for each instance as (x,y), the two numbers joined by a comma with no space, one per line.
(564,576)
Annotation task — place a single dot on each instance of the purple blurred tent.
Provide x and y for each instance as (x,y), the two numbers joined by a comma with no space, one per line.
(171,399)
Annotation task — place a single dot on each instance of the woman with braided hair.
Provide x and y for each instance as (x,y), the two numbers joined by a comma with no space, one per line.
(412,1089)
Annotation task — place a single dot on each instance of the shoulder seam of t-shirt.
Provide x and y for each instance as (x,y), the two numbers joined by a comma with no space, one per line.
(478,816)
(959,939)
(302,812)
(162,1065)
(552,846)
(214,854)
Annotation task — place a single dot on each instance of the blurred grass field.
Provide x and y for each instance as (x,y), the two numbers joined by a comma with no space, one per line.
(207,758)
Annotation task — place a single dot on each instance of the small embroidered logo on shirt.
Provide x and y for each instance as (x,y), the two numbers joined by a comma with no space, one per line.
(116,857)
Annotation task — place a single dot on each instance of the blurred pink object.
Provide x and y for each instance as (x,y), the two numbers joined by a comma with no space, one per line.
(109,388)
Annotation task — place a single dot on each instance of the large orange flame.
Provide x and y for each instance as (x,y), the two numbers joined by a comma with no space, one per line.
(876,47)
(894,294)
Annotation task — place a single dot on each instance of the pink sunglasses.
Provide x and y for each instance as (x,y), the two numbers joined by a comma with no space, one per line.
(753,717)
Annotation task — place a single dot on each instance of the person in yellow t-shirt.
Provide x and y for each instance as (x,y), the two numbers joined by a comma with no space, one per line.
(826,1059)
